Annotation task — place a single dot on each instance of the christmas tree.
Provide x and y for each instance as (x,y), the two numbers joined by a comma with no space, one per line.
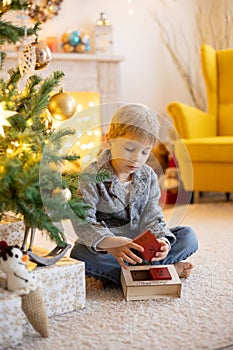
(32,183)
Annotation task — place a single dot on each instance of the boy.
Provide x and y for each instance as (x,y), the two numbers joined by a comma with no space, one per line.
(126,204)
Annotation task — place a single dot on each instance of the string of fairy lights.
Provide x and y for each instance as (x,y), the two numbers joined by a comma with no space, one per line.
(130,7)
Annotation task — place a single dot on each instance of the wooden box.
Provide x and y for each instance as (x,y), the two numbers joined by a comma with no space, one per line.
(137,283)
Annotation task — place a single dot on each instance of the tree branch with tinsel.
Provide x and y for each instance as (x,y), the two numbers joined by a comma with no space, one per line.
(10,33)
(31,158)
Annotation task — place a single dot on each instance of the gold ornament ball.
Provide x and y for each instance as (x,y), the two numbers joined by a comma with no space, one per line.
(64,193)
(4,6)
(62,106)
(68,48)
(80,48)
(43,55)
(65,38)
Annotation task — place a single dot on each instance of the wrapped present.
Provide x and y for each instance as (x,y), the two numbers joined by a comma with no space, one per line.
(58,289)
(63,284)
(11,331)
(22,282)
(12,230)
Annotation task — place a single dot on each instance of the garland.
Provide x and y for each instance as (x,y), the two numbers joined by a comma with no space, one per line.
(43,13)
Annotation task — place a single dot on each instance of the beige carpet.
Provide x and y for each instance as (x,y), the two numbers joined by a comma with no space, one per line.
(201,319)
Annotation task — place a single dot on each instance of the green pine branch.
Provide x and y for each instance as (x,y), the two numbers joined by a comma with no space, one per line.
(2,59)
(11,34)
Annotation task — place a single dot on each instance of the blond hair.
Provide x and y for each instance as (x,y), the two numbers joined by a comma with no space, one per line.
(136,119)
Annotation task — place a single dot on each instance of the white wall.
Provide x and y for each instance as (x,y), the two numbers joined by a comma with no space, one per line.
(148,74)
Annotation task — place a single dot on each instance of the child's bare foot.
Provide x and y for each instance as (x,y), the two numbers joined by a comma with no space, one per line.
(183,269)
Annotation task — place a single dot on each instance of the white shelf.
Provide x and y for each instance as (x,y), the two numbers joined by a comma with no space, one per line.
(74,56)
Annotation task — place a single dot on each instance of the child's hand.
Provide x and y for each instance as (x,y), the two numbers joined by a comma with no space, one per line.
(162,254)
(124,253)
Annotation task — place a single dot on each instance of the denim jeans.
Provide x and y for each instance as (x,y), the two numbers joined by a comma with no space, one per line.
(105,266)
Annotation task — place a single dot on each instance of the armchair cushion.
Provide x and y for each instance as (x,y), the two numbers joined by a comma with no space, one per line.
(225,121)
(217,149)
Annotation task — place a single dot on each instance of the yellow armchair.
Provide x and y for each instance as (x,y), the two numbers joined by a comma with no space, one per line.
(208,136)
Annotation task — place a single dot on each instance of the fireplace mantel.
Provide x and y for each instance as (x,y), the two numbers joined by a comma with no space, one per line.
(83,72)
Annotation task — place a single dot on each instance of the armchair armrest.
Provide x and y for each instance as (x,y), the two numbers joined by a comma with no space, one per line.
(191,122)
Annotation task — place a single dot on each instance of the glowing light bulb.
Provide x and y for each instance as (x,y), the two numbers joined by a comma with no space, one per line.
(29,122)
(91,104)
(15,143)
(25,147)
(90,145)
(96,132)
(79,107)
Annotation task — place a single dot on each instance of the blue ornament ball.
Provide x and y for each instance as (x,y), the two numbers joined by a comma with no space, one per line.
(87,46)
(74,39)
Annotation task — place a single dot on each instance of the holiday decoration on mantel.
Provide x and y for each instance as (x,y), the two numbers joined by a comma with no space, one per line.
(28,174)
(75,41)
(23,282)
(103,35)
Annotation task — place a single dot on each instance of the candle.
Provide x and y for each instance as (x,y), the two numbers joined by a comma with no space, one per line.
(53,43)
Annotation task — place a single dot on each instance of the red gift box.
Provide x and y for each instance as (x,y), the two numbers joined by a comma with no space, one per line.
(160,273)
(150,244)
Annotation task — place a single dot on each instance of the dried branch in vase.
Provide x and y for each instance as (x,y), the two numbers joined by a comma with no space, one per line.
(212,25)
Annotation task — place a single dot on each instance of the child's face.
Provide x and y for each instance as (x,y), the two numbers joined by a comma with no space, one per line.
(128,155)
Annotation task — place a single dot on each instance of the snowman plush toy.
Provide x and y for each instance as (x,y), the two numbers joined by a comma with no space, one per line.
(23,282)
(13,263)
